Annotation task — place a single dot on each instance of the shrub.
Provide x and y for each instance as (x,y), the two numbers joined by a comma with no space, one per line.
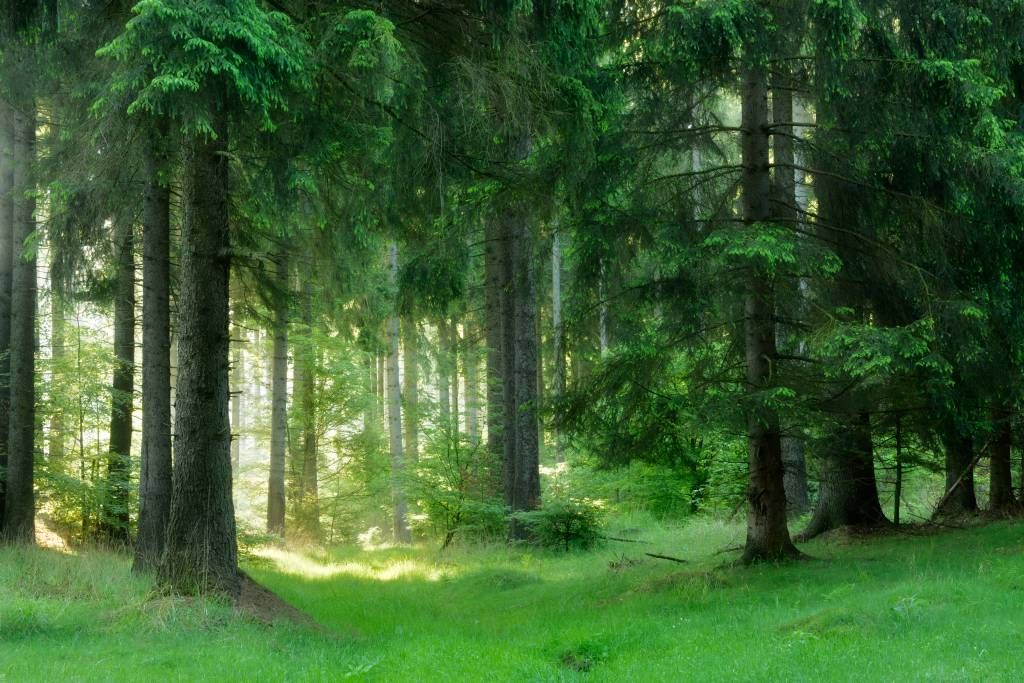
(564,524)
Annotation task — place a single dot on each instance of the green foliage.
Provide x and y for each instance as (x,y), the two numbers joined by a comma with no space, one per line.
(563,524)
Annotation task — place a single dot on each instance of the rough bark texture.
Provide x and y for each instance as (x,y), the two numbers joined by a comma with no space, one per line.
(6,265)
(411,395)
(394,390)
(155,473)
(279,402)
(19,506)
(202,552)
(237,375)
(495,284)
(115,522)
(1000,480)
(767,533)
(557,334)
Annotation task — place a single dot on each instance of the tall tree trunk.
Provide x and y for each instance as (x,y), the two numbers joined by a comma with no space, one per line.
(19,506)
(558,334)
(495,285)
(237,375)
(453,371)
(308,507)
(7,218)
(411,399)
(155,472)
(115,525)
(470,366)
(522,446)
(395,415)
(58,340)
(767,533)
(1000,481)
(202,550)
(960,459)
(444,398)
(784,210)
(279,401)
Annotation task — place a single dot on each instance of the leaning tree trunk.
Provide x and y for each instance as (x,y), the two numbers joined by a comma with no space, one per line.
(279,402)
(785,211)
(114,517)
(495,283)
(395,415)
(202,550)
(155,472)
(19,506)
(767,533)
(6,264)
(1000,480)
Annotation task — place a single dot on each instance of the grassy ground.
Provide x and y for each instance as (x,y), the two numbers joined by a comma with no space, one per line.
(938,607)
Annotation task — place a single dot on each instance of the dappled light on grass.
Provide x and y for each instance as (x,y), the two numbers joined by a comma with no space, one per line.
(374,569)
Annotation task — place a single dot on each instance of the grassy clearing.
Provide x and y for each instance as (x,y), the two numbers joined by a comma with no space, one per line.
(943,607)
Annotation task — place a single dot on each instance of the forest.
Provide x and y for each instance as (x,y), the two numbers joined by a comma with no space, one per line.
(514,340)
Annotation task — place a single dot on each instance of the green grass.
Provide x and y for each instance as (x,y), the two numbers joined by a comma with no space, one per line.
(939,607)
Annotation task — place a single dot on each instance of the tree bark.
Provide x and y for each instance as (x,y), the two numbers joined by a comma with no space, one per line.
(237,375)
(155,472)
(7,218)
(58,340)
(115,524)
(444,398)
(495,286)
(470,366)
(307,507)
(19,506)
(453,372)
(202,552)
(1000,480)
(959,474)
(411,399)
(767,533)
(401,529)
(279,401)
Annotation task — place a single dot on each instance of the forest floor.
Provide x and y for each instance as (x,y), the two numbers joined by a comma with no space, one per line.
(939,606)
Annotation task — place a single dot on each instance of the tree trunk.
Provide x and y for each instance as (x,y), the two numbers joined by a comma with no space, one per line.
(237,375)
(784,210)
(58,340)
(470,366)
(308,507)
(444,399)
(495,285)
(453,372)
(202,551)
(848,491)
(520,351)
(155,473)
(115,525)
(960,498)
(19,506)
(7,218)
(279,401)
(395,415)
(558,334)
(411,398)
(767,533)
(1000,481)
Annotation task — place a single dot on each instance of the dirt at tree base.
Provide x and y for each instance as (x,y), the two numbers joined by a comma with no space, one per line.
(268,607)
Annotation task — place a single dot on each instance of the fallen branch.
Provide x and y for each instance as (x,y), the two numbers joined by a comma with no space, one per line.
(623,540)
(666,557)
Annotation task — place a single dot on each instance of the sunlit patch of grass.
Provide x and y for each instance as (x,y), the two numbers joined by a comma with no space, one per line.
(375,569)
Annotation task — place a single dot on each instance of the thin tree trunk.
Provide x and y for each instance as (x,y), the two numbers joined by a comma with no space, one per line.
(401,529)
(411,399)
(58,340)
(155,473)
(767,533)
(558,334)
(453,371)
(470,366)
(279,402)
(308,507)
(444,399)
(19,506)
(7,218)
(115,520)
(202,550)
